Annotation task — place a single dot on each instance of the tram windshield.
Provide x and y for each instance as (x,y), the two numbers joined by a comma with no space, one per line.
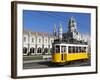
(60,49)
(57,49)
(63,49)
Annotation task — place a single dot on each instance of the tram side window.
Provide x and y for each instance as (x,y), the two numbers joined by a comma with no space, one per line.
(73,49)
(79,50)
(84,49)
(76,49)
(69,49)
(64,48)
(57,49)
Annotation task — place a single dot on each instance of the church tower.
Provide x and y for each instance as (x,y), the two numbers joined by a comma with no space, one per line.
(60,32)
(72,33)
(55,31)
(72,25)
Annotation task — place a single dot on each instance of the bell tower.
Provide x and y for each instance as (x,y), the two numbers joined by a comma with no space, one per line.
(60,32)
(55,30)
(72,25)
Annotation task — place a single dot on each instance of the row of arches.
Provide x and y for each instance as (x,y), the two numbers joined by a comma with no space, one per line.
(34,50)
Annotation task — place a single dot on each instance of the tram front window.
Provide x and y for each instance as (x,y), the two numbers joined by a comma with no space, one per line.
(57,49)
(63,49)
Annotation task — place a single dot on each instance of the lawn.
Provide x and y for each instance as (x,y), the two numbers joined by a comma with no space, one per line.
(34,57)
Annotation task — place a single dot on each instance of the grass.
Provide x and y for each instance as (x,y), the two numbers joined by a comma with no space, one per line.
(34,57)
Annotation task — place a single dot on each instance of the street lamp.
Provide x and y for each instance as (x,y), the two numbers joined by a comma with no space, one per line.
(28,43)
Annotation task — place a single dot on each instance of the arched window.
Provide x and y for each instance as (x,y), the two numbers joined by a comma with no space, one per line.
(32,50)
(24,50)
(45,50)
(39,50)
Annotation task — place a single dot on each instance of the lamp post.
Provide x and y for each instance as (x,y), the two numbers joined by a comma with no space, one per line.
(28,42)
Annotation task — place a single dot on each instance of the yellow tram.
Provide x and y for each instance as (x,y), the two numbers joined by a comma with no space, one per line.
(65,52)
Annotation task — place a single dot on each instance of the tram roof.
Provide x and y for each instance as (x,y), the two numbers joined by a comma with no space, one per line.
(66,42)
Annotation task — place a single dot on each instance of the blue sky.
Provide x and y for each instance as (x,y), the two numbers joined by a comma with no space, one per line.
(43,21)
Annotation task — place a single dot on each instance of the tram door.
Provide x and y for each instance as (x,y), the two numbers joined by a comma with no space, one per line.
(63,52)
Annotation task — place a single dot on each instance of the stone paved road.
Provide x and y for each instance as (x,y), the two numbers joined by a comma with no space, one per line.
(48,64)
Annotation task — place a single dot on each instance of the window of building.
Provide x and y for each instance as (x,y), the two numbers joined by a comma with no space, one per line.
(39,50)
(39,40)
(32,50)
(24,39)
(46,50)
(45,40)
(51,41)
(32,40)
(24,50)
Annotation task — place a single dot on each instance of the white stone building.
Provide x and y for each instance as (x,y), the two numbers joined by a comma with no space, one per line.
(37,42)
(41,42)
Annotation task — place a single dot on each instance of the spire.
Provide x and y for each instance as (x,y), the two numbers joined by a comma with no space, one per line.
(60,32)
(55,30)
(60,25)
